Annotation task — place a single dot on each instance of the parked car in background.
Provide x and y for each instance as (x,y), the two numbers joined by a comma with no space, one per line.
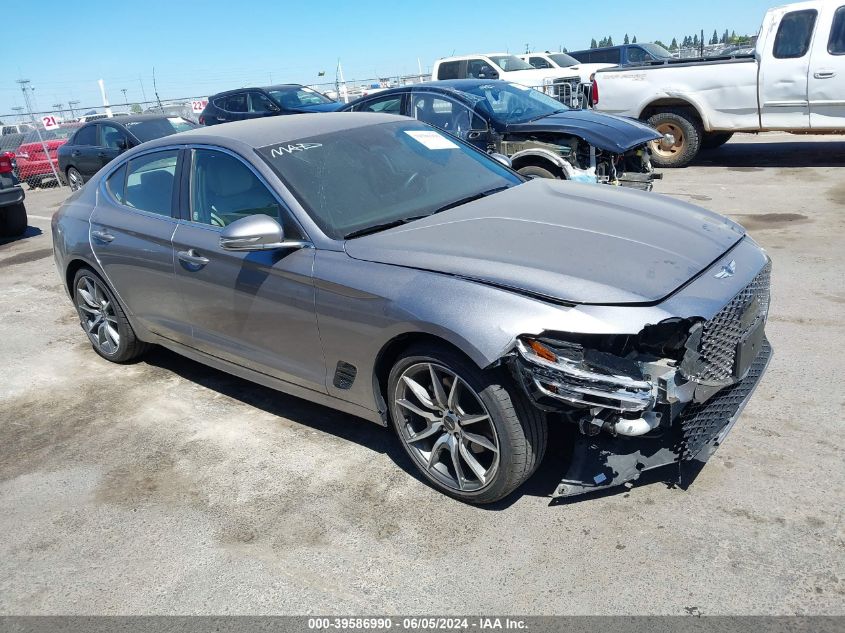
(623,54)
(9,144)
(254,103)
(34,164)
(16,128)
(541,136)
(563,61)
(378,266)
(177,110)
(795,82)
(562,83)
(98,143)
(13,220)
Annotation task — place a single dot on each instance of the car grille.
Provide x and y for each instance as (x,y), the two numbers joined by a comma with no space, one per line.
(722,333)
(701,423)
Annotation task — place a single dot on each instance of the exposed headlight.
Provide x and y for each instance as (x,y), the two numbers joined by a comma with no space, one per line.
(583,377)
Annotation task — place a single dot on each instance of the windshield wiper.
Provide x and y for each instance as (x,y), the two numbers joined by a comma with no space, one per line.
(476,196)
(375,228)
(542,116)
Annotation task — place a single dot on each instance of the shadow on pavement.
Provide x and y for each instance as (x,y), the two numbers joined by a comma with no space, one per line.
(751,156)
(31,231)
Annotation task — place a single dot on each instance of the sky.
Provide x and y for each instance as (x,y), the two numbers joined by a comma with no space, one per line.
(199,48)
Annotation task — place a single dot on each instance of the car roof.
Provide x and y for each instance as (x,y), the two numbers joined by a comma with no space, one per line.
(245,88)
(442,85)
(457,58)
(132,118)
(254,133)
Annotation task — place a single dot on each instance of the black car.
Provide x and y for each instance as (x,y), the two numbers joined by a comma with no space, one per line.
(540,135)
(97,143)
(254,103)
(623,54)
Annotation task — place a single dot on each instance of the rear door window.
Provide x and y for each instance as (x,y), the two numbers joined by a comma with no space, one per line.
(449,70)
(86,136)
(150,180)
(235,103)
(539,62)
(794,34)
(605,57)
(836,43)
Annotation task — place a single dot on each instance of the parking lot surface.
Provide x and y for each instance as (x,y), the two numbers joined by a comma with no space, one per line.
(168,487)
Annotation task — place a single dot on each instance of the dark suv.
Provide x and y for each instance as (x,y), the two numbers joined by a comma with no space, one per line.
(622,55)
(254,103)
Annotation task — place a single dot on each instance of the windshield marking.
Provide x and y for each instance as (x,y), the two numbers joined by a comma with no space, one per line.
(284,150)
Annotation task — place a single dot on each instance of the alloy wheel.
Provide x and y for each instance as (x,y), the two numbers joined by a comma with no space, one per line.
(661,148)
(446,427)
(98,315)
(74,179)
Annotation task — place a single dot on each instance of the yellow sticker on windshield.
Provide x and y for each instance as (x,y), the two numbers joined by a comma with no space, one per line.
(431,139)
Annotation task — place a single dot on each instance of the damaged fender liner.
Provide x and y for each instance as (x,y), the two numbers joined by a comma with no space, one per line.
(602,462)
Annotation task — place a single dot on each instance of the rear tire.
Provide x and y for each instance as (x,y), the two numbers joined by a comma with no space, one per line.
(485,410)
(103,319)
(13,220)
(74,179)
(688,132)
(712,140)
(537,172)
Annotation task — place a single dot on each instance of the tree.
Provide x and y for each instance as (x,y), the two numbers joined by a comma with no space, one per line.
(725,37)
(659,43)
(715,38)
(593,43)
(609,40)
(695,41)
(634,41)
(626,40)
(674,45)
(135,109)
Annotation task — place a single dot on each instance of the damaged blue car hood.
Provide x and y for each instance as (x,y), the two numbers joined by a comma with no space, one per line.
(605,131)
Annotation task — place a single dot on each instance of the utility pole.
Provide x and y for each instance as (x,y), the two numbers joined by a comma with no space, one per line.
(57,107)
(125,102)
(17,110)
(70,104)
(25,88)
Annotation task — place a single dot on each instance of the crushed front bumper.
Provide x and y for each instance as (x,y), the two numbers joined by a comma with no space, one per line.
(603,461)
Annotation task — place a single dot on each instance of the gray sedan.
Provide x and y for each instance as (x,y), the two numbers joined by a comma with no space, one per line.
(377,266)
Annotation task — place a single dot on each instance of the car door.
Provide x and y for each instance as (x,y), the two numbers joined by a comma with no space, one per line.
(450,116)
(783,71)
(83,155)
(131,230)
(826,82)
(113,141)
(255,309)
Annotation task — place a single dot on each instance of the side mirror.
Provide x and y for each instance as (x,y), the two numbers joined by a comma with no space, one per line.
(502,159)
(254,233)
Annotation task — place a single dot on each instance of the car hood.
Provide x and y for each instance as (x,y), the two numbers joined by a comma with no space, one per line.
(318,107)
(564,241)
(605,131)
(534,78)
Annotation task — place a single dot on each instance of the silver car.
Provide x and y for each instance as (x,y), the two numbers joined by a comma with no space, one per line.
(375,265)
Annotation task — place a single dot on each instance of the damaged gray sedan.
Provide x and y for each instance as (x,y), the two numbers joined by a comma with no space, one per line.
(375,265)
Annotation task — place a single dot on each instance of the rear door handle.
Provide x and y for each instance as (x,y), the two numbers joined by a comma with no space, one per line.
(824,74)
(191,257)
(102,236)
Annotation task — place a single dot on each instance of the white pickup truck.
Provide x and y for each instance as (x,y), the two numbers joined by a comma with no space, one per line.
(794,82)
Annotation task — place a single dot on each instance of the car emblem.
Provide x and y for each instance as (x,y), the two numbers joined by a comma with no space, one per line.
(728,270)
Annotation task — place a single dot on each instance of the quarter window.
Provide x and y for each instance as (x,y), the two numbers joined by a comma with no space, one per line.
(794,34)
(223,190)
(116,184)
(149,182)
(836,44)
(388,105)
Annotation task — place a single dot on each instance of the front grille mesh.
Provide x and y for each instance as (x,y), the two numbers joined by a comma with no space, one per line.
(702,422)
(722,333)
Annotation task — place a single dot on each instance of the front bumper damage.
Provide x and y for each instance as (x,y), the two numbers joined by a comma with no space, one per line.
(668,395)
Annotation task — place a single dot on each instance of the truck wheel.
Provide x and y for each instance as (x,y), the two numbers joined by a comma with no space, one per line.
(13,220)
(712,140)
(471,433)
(537,172)
(687,132)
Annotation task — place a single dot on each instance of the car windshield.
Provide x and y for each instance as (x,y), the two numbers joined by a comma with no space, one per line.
(510,62)
(49,135)
(657,51)
(370,177)
(513,103)
(297,97)
(563,60)
(158,128)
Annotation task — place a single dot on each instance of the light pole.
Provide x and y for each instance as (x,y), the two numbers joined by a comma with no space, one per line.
(57,107)
(70,105)
(17,110)
(125,102)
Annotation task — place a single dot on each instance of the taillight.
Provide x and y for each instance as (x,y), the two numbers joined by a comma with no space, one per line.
(6,163)
(594,93)
(202,120)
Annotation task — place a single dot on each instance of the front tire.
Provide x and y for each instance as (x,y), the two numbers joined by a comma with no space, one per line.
(103,319)
(74,179)
(471,433)
(13,220)
(688,134)
(537,172)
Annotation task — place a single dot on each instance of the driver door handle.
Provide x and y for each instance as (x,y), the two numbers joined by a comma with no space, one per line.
(824,74)
(191,257)
(102,236)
